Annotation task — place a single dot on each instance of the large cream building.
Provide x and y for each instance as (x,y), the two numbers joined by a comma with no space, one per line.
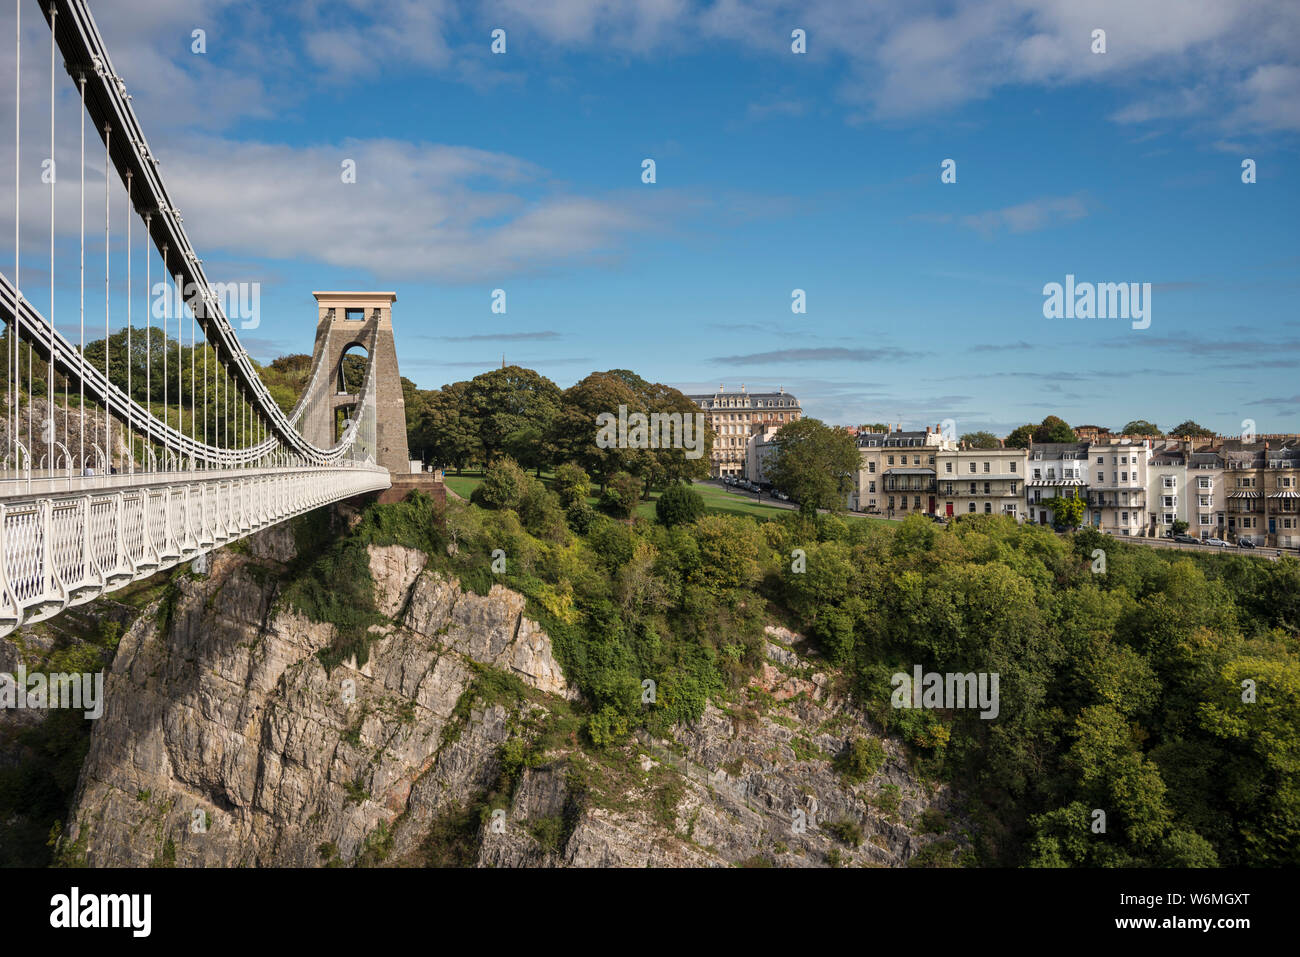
(896,471)
(1117,495)
(735,416)
(982,482)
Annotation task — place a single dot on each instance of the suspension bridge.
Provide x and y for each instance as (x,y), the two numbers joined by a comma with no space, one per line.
(107,479)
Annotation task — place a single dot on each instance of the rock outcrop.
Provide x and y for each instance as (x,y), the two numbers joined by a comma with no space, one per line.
(225,741)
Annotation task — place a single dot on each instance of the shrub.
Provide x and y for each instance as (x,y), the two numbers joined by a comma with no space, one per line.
(860,760)
(621,494)
(540,512)
(571,484)
(607,727)
(580,515)
(846,831)
(503,485)
(679,505)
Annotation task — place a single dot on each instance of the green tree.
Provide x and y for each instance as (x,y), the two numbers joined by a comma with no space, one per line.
(814,465)
(621,494)
(571,483)
(1190,429)
(513,411)
(679,505)
(574,429)
(1141,427)
(1067,511)
(445,430)
(1054,429)
(979,440)
(504,484)
(1020,437)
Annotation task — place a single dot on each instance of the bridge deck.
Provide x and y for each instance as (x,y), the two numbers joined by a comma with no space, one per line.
(64,545)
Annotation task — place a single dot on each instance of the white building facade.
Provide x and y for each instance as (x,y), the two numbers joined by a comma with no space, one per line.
(1054,470)
(1117,494)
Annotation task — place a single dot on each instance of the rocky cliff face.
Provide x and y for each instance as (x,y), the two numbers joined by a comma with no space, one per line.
(225,741)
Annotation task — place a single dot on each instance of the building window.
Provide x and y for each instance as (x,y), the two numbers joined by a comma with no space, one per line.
(354,315)
(988,508)
(1205,520)
(947,467)
(1013,466)
(972,507)
(972,488)
(986,467)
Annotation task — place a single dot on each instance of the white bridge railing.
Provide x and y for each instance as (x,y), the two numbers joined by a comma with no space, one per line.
(67,548)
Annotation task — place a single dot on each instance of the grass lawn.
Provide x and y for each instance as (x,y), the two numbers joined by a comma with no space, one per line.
(717,500)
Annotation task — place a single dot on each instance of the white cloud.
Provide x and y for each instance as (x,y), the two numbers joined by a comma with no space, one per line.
(411,211)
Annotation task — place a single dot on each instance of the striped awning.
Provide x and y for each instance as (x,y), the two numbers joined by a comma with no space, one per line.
(1286,494)
(1245,493)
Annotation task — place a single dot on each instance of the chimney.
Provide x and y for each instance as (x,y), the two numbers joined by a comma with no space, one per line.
(899,427)
(1001,444)
(927,430)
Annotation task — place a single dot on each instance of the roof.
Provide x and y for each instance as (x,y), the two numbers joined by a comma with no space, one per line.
(1054,450)
(755,396)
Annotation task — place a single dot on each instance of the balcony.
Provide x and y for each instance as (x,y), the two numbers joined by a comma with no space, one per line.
(1137,499)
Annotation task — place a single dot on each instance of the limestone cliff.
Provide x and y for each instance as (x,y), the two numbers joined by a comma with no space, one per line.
(225,741)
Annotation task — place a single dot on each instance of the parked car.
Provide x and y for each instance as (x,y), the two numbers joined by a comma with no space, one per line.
(1186,539)
(1245,543)
(1216,542)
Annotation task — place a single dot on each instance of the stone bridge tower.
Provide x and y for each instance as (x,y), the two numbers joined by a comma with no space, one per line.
(345,320)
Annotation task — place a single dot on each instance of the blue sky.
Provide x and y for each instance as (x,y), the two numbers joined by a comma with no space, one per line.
(775,171)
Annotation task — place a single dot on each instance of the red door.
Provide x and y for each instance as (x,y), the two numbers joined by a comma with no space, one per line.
(949,509)
(931,504)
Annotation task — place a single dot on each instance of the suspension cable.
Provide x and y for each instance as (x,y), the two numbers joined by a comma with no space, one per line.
(48,426)
(18,296)
(81,379)
(148,344)
(108,402)
(130,358)
(167,305)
